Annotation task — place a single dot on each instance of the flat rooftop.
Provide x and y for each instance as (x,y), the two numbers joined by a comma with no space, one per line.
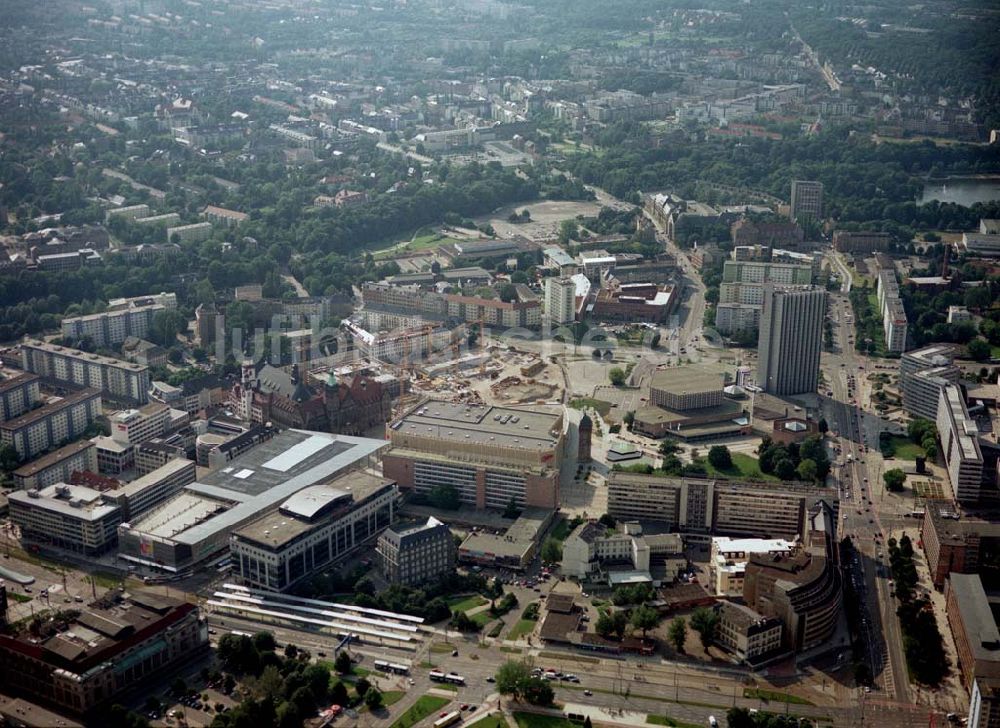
(977,617)
(689,379)
(751,545)
(77,354)
(14,382)
(47,410)
(278,527)
(520,429)
(256,482)
(52,458)
(75,502)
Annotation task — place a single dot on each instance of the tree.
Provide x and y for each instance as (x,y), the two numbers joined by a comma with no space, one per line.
(318,679)
(463,622)
(568,230)
(511,510)
(823,426)
(165,326)
(629,419)
(343,664)
(616,376)
(362,686)
(445,497)
(291,651)
(9,459)
(264,641)
(538,692)
(705,621)
(551,550)
(677,633)
(978,350)
(644,618)
(894,479)
(612,623)
(807,470)
(373,699)
(512,677)
(338,694)
(719,457)
(179,687)
(785,469)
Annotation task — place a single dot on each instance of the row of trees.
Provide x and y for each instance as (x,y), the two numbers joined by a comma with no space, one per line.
(922,642)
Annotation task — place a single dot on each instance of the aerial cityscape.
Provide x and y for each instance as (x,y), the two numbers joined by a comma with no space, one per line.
(499,364)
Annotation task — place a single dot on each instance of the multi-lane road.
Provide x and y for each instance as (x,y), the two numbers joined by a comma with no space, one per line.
(857,439)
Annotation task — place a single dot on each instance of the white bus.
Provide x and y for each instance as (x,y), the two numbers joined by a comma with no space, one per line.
(451,677)
(391,667)
(450,719)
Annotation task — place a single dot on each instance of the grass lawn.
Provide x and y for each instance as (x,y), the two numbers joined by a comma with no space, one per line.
(521,628)
(744,466)
(441,647)
(668,721)
(905,449)
(600,405)
(391,697)
(20,598)
(464,604)
(510,650)
(482,618)
(425,705)
(774,696)
(446,686)
(489,721)
(496,629)
(534,720)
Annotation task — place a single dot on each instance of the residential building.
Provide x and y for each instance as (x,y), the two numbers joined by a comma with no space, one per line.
(923,374)
(131,212)
(977,638)
(984,705)
(494,312)
(208,323)
(18,394)
(195,524)
(57,466)
(807,200)
(112,328)
(119,380)
(194,233)
(144,352)
(50,425)
(223,216)
(959,436)
(311,529)
(861,242)
(790,340)
(732,318)
(958,315)
(560,300)
(135,426)
(71,517)
(773,234)
(85,660)
(169,218)
(165,299)
(894,322)
(491,455)
(760,272)
(801,588)
(728,560)
(417,554)
(950,545)
(594,552)
(747,634)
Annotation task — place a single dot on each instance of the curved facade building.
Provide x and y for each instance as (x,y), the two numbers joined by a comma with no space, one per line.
(803,587)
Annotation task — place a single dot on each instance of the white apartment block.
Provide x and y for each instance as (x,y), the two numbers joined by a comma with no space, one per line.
(193,233)
(923,373)
(731,318)
(111,328)
(960,445)
(18,395)
(127,213)
(119,379)
(51,425)
(560,300)
(894,322)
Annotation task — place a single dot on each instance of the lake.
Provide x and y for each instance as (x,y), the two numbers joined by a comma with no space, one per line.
(962,190)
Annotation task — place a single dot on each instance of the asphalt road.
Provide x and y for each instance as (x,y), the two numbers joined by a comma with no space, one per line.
(860,516)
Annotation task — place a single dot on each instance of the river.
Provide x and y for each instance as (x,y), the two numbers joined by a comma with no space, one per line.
(962,190)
